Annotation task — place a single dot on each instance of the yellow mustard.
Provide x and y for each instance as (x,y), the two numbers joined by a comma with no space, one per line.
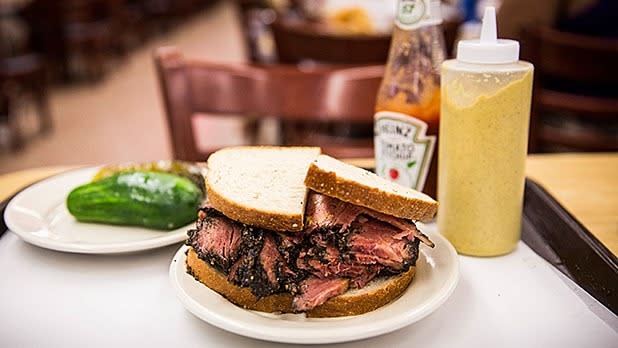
(485,112)
(484,135)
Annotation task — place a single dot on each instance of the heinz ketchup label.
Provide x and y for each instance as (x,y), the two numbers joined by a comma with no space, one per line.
(403,150)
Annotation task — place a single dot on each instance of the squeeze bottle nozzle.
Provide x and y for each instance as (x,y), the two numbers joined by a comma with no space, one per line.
(488,49)
(489,34)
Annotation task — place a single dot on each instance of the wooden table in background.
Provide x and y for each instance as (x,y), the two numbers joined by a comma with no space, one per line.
(585,184)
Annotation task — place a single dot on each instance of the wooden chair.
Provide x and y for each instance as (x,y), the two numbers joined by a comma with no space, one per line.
(191,87)
(450,29)
(66,29)
(296,40)
(256,17)
(162,14)
(575,76)
(20,75)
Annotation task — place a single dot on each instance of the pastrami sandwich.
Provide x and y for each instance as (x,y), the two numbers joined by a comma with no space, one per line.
(288,230)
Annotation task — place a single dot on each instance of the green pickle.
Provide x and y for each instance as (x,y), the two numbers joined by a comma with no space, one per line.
(191,171)
(148,198)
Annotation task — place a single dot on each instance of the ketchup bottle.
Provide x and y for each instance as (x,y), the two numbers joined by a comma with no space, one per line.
(407,116)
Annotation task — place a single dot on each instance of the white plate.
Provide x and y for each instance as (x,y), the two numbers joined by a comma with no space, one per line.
(39,216)
(435,280)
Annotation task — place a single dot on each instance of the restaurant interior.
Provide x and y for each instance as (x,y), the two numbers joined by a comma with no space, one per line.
(79,77)
(96,82)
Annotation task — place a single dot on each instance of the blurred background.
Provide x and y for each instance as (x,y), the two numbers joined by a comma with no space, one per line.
(78,83)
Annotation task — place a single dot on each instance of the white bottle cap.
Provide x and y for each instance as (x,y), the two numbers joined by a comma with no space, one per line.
(489,49)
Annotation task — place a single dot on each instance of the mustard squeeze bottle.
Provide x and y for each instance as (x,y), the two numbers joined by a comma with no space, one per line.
(485,111)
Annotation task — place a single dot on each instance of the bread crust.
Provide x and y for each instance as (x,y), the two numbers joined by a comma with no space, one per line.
(240,296)
(250,216)
(344,305)
(330,184)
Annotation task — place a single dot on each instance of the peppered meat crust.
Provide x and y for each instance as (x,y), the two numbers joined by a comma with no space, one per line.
(268,262)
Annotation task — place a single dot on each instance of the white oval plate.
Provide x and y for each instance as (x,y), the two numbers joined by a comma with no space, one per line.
(39,215)
(435,280)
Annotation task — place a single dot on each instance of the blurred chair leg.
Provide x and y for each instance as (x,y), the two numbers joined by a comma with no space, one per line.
(4,120)
(91,42)
(103,45)
(17,139)
(42,102)
(98,61)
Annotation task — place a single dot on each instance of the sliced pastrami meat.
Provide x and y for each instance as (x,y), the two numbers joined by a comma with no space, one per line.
(315,291)
(270,259)
(375,242)
(319,260)
(406,227)
(217,239)
(321,211)
(326,212)
(343,246)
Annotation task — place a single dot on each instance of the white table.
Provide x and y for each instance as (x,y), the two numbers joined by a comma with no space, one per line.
(53,299)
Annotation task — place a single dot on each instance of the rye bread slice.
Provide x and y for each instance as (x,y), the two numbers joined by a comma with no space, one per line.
(358,186)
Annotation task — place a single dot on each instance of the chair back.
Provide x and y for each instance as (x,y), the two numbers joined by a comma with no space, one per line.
(571,56)
(296,40)
(575,75)
(285,92)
